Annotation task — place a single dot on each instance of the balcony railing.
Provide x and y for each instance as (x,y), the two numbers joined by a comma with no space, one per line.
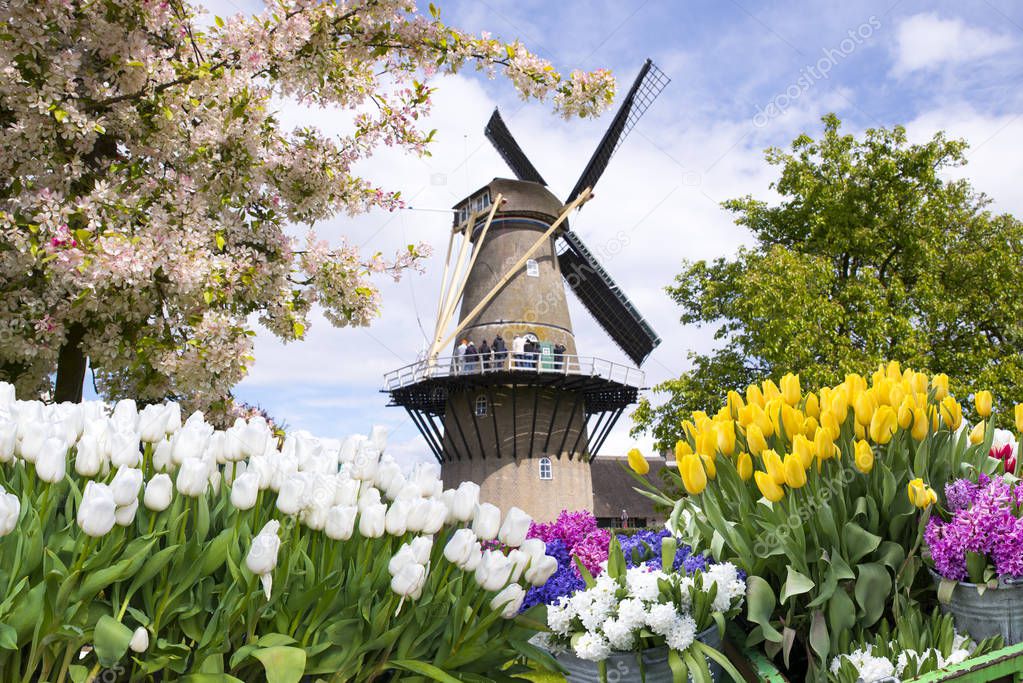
(533,363)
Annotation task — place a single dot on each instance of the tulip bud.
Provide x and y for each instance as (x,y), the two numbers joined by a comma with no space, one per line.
(340,522)
(193,476)
(802,448)
(754,396)
(982,400)
(409,581)
(812,406)
(951,413)
(365,465)
(159,491)
(139,640)
(520,561)
(977,433)
(534,547)
(790,389)
(865,406)
(32,441)
(864,457)
(387,475)
(96,511)
(726,438)
(51,463)
(541,569)
(152,423)
(245,490)
(404,556)
(291,498)
(693,475)
(774,466)
(10,511)
(768,488)
(371,520)
(795,472)
(435,517)
(755,441)
(744,466)
(253,438)
(509,600)
(8,441)
(460,546)
(939,383)
(920,494)
(682,448)
(396,519)
(124,515)
(486,521)
(494,571)
(516,526)
(1018,410)
(883,424)
(637,462)
(771,390)
(125,485)
(162,456)
(88,460)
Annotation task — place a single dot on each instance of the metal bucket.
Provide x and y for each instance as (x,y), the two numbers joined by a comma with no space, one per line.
(624,666)
(998,611)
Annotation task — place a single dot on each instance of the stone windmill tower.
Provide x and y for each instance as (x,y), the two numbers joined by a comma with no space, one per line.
(525,423)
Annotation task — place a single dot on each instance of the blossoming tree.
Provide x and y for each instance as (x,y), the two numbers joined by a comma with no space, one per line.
(146,182)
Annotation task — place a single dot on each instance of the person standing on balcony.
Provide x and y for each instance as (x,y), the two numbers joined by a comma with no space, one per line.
(484,356)
(559,356)
(471,354)
(500,352)
(460,356)
(518,351)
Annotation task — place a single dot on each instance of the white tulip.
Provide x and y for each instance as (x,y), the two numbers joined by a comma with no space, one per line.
(193,476)
(436,516)
(350,447)
(474,559)
(347,491)
(233,446)
(124,449)
(10,511)
(30,414)
(96,511)
(365,465)
(7,395)
(540,569)
(88,459)
(486,521)
(126,484)
(173,417)
(162,456)
(124,515)
(340,522)
(262,467)
(233,470)
(426,475)
(368,495)
(188,443)
(409,581)
(387,473)
(404,490)
(534,547)
(422,546)
(448,498)
(51,465)
(520,561)
(244,491)
(396,519)
(371,520)
(378,437)
(509,600)
(400,559)
(460,546)
(494,571)
(467,497)
(125,415)
(139,640)
(32,439)
(253,437)
(292,496)
(8,441)
(419,509)
(152,423)
(262,557)
(159,491)
(516,526)
(215,448)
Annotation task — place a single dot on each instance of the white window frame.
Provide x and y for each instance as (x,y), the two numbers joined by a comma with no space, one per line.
(482,406)
(532,268)
(546,464)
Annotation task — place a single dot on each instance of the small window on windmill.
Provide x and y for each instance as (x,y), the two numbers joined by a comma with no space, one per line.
(546,471)
(532,268)
(476,204)
(481,406)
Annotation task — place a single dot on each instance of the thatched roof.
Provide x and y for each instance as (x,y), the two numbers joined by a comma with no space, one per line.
(614,490)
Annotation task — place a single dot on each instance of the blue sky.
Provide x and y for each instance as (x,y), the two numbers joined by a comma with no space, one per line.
(745,76)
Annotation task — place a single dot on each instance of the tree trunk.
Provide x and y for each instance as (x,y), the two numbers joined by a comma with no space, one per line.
(71,367)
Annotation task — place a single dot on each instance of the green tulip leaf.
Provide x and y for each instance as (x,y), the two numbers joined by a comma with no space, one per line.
(760,604)
(873,585)
(282,664)
(209,678)
(795,584)
(891,554)
(111,639)
(858,542)
(820,641)
(423,669)
(78,673)
(8,637)
(841,612)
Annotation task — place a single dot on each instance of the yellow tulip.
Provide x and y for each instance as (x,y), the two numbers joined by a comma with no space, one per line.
(709,466)
(839,404)
(693,476)
(771,390)
(734,404)
(699,418)
(824,444)
(768,488)
(682,448)
(977,433)
(744,466)
(905,416)
(707,441)
(1019,417)
(761,420)
(951,413)
(920,494)
(940,385)
(792,420)
(882,391)
(795,473)
(859,430)
(865,406)
(773,411)
(802,447)
(832,424)
(774,465)
(883,425)
(920,424)
(809,427)
(791,392)
(726,437)
(893,370)
(983,403)
(755,441)
(855,383)
(637,462)
(723,414)
(864,457)
(897,396)
(689,429)
(812,407)
(754,396)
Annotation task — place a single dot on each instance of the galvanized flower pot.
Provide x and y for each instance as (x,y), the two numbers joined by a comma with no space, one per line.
(624,666)
(998,611)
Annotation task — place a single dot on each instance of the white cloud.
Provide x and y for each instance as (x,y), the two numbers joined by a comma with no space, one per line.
(926,41)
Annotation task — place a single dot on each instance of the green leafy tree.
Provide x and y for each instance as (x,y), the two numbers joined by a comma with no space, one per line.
(872,254)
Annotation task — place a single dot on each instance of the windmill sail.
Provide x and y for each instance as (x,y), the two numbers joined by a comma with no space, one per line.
(604,299)
(645,89)
(501,138)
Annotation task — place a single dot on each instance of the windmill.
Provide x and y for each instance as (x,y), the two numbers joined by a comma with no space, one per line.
(525,423)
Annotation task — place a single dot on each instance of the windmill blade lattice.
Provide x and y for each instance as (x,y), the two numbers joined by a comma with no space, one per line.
(645,89)
(501,138)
